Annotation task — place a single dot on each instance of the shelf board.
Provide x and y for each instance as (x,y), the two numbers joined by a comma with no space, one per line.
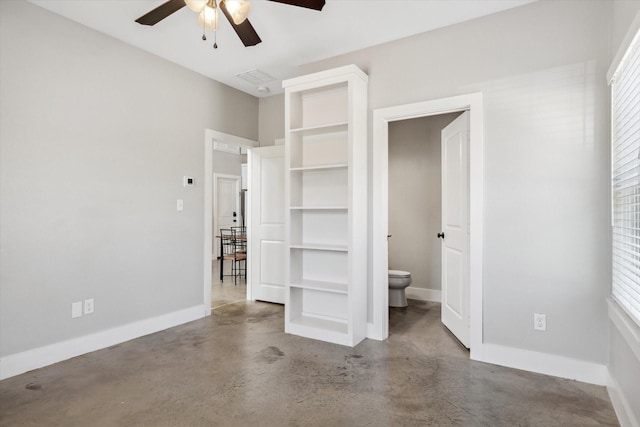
(321,129)
(330,326)
(319,168)
(320,247)
(319,208)
(317,285)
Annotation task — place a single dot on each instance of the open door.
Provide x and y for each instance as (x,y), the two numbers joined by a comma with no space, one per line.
(266,228)
(455,228)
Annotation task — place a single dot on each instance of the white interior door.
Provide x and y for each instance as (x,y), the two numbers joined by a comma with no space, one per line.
(226,202)
(455,228)
(267,224)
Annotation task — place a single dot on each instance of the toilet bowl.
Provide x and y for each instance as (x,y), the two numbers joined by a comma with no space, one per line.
(398,281)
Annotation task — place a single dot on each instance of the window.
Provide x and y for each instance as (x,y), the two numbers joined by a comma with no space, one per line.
(625,179)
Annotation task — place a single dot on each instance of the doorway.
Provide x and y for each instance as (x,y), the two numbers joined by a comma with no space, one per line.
(223,155)
(229,280)
(226,204)
(415,202)
(378,327)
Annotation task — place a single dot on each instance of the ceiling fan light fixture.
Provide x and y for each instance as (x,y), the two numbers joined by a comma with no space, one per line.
(196,5)
(235,11)
(209,16)
(238,9)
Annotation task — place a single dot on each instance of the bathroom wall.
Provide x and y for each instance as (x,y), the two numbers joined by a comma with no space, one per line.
(415,200)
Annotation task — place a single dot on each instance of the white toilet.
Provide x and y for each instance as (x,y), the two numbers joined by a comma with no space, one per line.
(398,281)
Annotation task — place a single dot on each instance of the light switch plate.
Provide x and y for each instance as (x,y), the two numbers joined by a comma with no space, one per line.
(179,205)
(76,309)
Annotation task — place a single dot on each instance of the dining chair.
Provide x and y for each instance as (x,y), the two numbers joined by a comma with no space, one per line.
(234,248)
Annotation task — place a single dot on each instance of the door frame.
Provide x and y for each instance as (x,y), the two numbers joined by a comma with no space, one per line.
(210,138)
(378,327)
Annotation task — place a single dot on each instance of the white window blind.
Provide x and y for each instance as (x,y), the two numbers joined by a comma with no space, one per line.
(625,174)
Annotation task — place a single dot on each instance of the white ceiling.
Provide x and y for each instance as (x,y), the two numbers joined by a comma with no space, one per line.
(290,35)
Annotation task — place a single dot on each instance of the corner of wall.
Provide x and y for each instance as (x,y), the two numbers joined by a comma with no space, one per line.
(270,119)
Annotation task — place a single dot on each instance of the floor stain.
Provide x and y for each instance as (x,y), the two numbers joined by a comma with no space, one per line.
(271,354)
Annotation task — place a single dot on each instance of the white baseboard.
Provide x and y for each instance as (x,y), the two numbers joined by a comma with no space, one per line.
(19,363)
(544,363)
(373,333)
(621,405)
(422,294)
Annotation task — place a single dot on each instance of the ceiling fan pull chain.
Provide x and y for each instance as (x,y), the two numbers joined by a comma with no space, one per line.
(204,37)
(215,39)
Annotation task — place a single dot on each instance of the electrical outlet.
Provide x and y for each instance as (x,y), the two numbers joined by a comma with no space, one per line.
(76,309)
(88,306)
(539,321)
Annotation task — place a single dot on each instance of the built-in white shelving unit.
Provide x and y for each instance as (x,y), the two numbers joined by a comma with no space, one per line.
(326,157)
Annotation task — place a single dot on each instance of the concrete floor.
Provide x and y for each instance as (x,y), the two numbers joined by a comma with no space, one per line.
(238,368)
(226,292)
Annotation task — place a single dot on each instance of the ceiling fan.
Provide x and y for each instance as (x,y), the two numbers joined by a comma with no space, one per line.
(235,11)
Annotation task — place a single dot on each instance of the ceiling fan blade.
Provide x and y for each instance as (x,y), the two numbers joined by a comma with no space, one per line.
(245,30)
(309,4)
(161,12)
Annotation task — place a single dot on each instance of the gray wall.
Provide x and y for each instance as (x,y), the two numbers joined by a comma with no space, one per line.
(228,163)
(415,208)
(624,11)
(271,126)
(624,363)
(95,138)
(541,69)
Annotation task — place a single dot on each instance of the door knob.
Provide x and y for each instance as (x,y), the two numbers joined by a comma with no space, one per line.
(441,235)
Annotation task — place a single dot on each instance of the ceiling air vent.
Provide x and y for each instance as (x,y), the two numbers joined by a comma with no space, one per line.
(255,77)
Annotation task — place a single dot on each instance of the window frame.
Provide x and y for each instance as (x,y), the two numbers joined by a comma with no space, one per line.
(625,165)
